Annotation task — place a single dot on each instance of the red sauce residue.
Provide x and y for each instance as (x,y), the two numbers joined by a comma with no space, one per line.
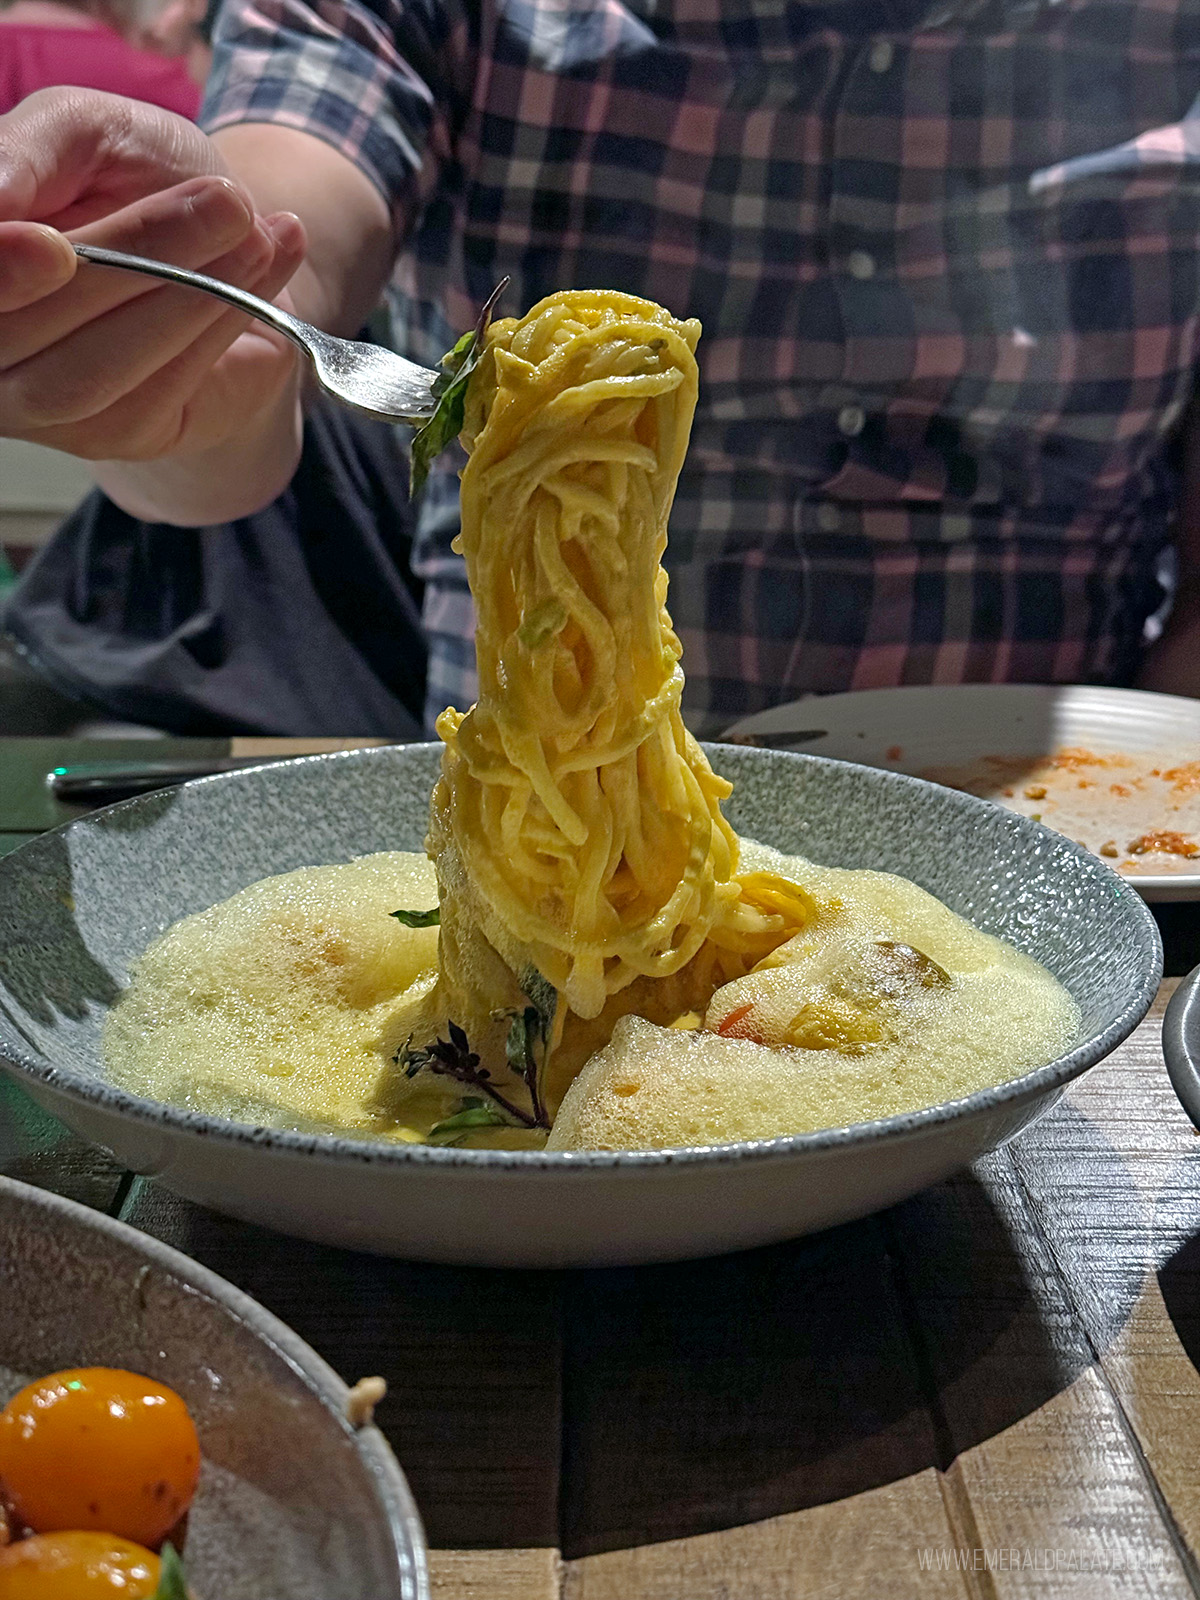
(1163,841)
(1185,778)
(894,752)
(728,1026)
(1082,788)
(1072,760)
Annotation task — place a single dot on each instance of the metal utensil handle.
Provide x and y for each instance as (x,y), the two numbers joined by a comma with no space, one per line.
(291,327)
(102,782)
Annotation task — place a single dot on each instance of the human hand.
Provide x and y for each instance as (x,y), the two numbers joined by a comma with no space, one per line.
(105,364)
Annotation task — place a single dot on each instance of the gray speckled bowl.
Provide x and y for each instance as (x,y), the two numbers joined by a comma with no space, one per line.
(1181,1043)
(293,1503)
(78,904)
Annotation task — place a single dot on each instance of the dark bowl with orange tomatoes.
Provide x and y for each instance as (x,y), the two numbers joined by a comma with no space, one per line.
(293,1501)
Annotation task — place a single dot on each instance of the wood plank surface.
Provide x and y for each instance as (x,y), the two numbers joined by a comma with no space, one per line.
(1038,1455)
(244,745)
(748,1425)
(1115,1187)
(472,1360)
(36,1148)
(494,1574)
(1034,1481)
(864,1546)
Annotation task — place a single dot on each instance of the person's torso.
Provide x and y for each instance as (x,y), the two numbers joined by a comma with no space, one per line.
(949,268)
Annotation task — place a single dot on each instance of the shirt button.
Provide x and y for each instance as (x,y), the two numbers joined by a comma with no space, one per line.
(860,265)
(829,518)
(882,55)
(851,421)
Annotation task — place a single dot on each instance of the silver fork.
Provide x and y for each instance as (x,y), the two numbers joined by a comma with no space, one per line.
(362,376)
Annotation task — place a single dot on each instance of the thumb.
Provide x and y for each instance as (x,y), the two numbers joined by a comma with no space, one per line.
(70,155)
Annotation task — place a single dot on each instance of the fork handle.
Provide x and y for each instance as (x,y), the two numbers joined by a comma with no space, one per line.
(282,321)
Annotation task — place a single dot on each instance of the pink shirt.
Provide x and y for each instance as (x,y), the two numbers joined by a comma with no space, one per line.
(34,56)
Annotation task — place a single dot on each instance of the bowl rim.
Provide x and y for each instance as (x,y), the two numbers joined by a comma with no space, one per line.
(98,1095)
(395,1498)
(1181,1022)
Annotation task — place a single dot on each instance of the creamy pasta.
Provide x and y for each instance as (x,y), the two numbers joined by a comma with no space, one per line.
(594,905)
(577,826)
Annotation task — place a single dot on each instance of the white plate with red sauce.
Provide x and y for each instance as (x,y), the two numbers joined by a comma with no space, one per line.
(1117,770)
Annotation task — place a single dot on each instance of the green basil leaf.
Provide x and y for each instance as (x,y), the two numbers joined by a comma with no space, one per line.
(450,391)
(171,1582)
(442,429)
(452,363)
(478,1115)
(419,919)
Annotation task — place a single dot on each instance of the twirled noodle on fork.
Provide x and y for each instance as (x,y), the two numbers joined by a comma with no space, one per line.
(577,827)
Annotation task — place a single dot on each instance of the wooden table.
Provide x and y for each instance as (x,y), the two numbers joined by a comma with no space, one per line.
(989,1391)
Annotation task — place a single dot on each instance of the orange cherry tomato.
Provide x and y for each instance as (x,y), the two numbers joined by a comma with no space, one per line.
(77,1566)
(95,1447)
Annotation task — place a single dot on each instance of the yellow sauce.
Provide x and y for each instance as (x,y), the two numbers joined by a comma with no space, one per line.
(282,1006)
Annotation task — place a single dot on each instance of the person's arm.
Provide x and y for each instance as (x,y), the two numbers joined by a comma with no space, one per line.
(338,284)
(102,363)
(1172,663)
(191,408)
(350,243)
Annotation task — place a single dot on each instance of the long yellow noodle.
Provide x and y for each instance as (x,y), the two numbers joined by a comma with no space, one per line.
(576,826)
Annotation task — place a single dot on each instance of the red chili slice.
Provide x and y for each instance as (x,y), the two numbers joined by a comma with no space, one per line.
(729,1023)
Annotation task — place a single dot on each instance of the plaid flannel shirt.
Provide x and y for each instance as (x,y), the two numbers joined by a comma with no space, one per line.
(947,260)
